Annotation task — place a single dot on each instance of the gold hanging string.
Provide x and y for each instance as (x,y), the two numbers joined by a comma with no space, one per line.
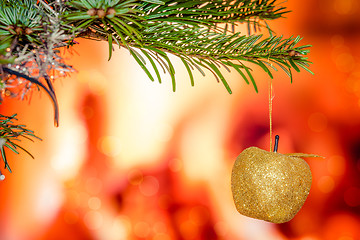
(270,110)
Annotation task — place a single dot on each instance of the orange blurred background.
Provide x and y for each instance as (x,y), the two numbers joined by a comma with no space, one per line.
(133,160)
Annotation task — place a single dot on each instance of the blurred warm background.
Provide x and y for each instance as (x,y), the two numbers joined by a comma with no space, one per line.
(133,160)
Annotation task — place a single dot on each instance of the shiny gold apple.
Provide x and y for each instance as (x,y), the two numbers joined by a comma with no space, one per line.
(268,185)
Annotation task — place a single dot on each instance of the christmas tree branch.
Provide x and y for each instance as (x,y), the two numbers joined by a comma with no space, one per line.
(189,30)
(9,134)
(200,33)
(208,13)
(49,90)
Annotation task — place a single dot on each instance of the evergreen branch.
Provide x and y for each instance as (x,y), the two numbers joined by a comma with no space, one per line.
(10,132)
(32,34)
(203,48)
(221,49)
(208,13)
(50,91)
(188,30)
(197,32)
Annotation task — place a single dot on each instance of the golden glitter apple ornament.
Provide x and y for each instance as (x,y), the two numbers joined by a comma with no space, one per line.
(270,186)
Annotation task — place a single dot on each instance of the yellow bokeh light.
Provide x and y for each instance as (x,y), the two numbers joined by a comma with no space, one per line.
(110,146)
(94,203)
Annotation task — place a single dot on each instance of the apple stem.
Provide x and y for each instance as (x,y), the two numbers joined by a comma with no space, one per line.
(276,143)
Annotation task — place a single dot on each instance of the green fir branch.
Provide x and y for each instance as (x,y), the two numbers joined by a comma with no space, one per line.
(200,33)
(208,13)
(189,30)
(9,134)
